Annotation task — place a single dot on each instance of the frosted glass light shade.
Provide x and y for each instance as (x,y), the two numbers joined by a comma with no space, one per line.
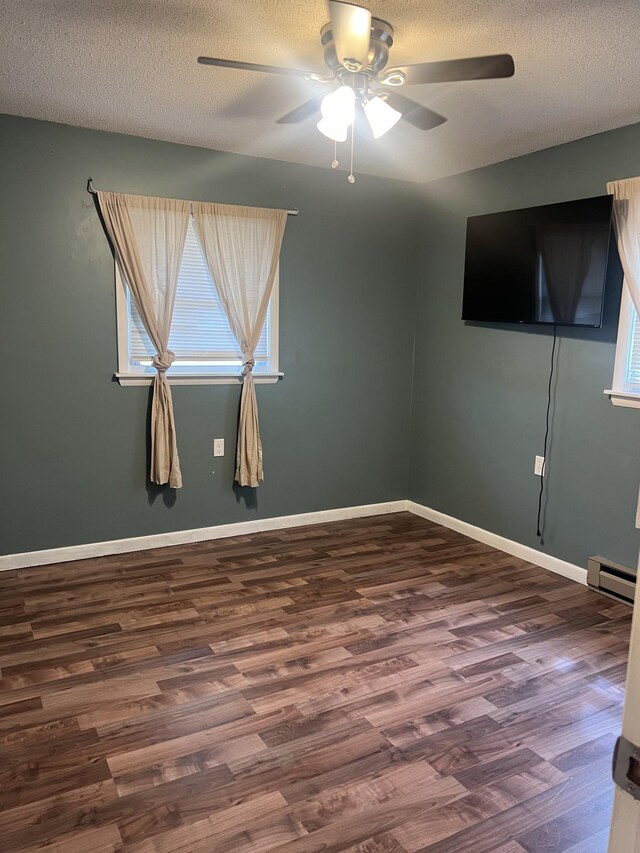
(338,111)
(333,130)
(340,105)
(381,116)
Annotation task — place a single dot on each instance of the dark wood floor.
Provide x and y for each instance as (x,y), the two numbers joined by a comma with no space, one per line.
(373,686)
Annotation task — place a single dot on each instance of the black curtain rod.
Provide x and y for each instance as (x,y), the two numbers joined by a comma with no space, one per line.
(90,189)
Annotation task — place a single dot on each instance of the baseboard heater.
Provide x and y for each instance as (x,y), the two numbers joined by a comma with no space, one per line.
(612,579)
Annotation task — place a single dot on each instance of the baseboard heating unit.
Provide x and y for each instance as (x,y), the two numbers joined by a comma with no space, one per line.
(612,579)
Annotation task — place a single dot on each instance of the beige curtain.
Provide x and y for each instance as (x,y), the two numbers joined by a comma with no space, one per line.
(148,236)
(626,217)
(242,247)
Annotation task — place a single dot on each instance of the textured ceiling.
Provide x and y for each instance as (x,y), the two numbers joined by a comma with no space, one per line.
(130,66)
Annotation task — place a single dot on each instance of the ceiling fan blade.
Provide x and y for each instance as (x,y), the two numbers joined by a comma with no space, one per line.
(453,70)
(413,112)
(351,29)
(303,112)
(252,66)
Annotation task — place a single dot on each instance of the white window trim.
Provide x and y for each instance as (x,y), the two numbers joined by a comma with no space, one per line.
(229,376)
(622,393)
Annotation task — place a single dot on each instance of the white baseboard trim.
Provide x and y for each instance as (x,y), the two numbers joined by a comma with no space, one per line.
(222,531)
(183,537)
(524,552)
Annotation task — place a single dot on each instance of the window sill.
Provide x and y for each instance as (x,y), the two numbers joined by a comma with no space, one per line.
(197,378)
(629,399)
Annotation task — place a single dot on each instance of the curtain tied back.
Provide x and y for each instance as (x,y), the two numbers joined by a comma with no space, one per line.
(248,359)
(242,248)
(148,237)
(163,362)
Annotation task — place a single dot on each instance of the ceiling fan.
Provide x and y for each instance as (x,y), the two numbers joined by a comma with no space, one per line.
(356,52)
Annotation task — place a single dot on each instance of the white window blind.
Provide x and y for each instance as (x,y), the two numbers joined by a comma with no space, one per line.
(200,333)
(633,370)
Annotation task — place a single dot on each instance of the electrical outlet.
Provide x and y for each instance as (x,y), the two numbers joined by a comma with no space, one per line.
(218,446)
(538,468)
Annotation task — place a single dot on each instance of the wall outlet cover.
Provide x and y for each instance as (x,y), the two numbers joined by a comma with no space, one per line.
(218,446)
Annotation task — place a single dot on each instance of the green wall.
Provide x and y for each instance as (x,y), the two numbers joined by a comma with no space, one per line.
(73,452)
(479,393)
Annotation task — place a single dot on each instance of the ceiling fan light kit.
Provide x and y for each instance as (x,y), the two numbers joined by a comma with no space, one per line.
(356,51)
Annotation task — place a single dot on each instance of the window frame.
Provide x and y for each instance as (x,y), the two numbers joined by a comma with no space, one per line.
(128,374)
(622,393)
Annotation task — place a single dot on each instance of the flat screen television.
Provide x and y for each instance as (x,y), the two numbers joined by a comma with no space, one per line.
(539,265)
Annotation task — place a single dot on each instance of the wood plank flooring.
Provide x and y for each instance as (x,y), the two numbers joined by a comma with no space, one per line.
(381,685)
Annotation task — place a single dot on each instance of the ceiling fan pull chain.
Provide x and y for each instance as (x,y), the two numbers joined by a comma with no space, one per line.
(352,177)
(334,162)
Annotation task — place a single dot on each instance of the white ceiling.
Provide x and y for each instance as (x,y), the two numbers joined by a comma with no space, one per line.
(130,66)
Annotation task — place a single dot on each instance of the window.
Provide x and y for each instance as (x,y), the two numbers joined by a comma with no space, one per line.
(626,374)
(206,351)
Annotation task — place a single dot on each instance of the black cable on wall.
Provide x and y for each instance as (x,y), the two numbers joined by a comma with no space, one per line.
(546,433)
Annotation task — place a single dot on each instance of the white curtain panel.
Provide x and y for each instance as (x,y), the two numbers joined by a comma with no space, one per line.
(242,247)
(626,218)
(148,236)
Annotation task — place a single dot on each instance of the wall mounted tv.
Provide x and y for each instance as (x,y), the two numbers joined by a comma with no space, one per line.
(540,265)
